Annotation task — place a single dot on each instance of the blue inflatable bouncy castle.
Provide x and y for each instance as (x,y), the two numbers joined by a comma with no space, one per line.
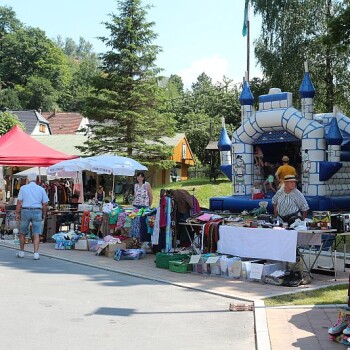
(318,146)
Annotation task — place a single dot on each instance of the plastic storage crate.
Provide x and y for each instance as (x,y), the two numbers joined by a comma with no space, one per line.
(162,259)
(179,266)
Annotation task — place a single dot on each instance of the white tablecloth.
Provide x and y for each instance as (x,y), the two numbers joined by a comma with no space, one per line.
(260,243)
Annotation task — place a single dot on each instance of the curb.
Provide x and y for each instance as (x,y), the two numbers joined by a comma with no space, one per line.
(261,326)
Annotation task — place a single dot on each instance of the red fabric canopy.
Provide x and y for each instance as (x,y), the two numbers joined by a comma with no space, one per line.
(19,149)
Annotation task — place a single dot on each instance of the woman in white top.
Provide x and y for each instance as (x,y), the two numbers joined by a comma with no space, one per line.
(142,192)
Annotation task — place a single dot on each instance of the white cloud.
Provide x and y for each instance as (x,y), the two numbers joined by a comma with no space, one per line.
(215,67)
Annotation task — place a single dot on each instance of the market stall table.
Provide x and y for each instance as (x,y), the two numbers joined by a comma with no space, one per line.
(56,220)
(260,243)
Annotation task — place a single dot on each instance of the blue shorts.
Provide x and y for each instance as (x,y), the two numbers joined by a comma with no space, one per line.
(34,216)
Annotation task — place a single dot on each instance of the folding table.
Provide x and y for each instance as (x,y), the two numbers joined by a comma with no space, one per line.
(197,247)
(332,234)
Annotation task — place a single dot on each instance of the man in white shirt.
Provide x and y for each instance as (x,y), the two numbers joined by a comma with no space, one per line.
(31,208)
(289,201)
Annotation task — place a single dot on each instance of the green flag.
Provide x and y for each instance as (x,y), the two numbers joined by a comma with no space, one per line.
(245,19)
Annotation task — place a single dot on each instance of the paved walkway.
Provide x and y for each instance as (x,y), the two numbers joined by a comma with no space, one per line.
(276,328)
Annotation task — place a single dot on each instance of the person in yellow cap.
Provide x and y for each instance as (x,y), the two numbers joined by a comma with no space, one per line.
(284,170)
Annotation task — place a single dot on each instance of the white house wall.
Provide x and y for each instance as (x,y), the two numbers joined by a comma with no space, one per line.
(36,130)
(83,124)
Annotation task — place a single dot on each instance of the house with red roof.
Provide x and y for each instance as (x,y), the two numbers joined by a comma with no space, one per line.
(67,123)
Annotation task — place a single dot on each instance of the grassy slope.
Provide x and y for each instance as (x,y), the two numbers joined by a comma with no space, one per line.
(203,190)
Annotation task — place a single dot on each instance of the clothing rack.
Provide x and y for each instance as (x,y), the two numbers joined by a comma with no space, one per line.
(184,205)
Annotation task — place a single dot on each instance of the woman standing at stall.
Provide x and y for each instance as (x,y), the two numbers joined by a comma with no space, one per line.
(142,192)
(100,194)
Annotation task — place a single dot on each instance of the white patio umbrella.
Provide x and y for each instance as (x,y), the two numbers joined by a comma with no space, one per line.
(102,164)
(70,165)
(40,171)
(75,166)
(115,165)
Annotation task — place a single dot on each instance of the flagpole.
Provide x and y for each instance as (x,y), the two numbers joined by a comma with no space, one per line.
(248,44)
(246,32)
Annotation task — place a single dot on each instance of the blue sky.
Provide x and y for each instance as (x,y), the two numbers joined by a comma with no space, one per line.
(195,35)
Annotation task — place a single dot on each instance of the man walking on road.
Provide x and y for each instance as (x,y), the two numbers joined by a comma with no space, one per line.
(31,208)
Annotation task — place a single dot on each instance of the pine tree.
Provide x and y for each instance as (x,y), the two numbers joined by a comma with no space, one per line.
(123,107)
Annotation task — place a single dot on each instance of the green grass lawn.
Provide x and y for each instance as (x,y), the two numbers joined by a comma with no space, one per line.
(203,189)
(328,295)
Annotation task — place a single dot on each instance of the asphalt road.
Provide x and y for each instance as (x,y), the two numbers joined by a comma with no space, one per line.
(58,305)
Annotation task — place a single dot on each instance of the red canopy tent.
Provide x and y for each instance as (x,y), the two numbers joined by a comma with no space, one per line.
(19,149)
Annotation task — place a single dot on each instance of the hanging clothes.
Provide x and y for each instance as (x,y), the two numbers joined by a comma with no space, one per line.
(162,209)
(136,227)
(156,228)
(85,221)
(168,232)
(105,230)
(211,235)
(183,200)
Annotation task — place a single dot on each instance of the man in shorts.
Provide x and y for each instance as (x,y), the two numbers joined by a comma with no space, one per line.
(31,208)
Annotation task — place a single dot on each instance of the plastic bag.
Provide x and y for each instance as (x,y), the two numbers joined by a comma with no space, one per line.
(129,254)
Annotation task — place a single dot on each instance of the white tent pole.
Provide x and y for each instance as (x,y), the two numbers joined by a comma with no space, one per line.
(80,181)
(12,184)
(113,188)
(2,181)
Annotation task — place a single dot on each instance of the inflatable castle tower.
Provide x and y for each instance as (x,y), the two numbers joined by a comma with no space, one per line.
(324,177)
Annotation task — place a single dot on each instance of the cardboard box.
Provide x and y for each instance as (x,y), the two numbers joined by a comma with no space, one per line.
(101,249)
(260,270)
(214,262)
(273,266)
(234,268)
(81,244)
(111,248)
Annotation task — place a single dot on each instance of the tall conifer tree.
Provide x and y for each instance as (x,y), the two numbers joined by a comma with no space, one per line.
(124,103)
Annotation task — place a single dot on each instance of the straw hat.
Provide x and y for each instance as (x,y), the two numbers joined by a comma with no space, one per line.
(285,159)
(290,178)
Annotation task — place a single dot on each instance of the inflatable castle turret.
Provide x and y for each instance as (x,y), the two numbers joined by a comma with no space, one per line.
(307,94)
(224,146)
(246,100)
(334,140)
(321,142)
